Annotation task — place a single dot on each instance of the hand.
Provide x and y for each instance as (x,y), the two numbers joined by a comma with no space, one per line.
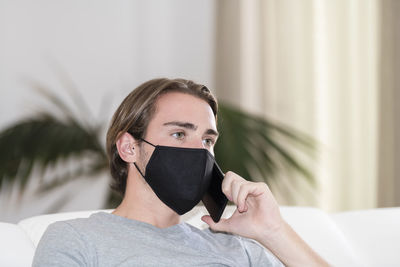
(258,217)
(257,210)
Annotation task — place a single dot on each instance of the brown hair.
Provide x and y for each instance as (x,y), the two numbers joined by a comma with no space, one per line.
(135,113)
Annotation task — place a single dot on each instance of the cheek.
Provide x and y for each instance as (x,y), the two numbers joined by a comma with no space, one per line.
(143,155)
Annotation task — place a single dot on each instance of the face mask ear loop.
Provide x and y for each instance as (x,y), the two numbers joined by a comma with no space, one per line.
(138,169)
(147,142)
(135,162)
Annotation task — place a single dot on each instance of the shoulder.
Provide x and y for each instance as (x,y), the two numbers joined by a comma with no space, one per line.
(67,230)
(58,231)
(66,243)
(73,230)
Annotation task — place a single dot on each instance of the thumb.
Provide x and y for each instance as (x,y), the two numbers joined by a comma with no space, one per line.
(221,226)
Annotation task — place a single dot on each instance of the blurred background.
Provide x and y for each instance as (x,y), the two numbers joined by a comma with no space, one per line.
(325,69)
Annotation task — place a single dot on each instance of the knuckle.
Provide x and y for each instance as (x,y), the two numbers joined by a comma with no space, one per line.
(263,185)
(229,173)
(242,187)
(235,182)
(225,189)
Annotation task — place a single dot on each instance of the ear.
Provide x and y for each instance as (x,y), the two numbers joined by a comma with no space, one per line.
(125,146)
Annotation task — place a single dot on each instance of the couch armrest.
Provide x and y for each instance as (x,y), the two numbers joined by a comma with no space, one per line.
(16,249)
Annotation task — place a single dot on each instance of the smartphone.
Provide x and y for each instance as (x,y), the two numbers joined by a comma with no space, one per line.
(215,200)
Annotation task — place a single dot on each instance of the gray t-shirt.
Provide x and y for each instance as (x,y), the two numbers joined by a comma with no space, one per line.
(105,239)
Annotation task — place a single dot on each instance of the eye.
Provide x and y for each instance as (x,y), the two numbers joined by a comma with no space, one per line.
(208,142)
(178,135)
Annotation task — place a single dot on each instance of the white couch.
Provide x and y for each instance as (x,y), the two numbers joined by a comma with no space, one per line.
(357,238)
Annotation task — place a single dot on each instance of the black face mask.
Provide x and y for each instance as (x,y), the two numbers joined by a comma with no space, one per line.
(180,177)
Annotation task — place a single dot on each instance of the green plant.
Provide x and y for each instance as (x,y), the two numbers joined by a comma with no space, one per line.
(247,144)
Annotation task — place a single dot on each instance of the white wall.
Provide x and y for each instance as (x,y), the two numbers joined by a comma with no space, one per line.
(106,48)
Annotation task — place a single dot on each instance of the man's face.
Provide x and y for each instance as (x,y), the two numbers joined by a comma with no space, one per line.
(180,120)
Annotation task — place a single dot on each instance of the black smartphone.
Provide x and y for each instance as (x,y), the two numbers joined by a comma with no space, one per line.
(214,200)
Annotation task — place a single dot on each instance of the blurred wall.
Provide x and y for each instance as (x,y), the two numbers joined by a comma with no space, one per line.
(104,49)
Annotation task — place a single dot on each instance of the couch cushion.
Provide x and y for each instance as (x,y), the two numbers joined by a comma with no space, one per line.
(16,249)
(319,231)
(375,234)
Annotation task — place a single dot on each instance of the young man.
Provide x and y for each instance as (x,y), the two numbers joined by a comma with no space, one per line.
(160,137)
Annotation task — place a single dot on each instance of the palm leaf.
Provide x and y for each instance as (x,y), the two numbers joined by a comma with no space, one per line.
(42,142)
(251,145)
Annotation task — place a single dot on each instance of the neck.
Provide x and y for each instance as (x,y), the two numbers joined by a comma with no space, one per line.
(141,203)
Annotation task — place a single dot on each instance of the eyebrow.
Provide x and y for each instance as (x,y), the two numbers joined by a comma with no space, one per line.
(190,126)
(212,132)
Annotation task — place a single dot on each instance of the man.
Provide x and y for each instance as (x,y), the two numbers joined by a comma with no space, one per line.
(160,118)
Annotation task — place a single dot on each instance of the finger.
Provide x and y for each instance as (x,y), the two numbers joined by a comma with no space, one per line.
(249,189)
(230,185)
(221,226)
(259,189)
(242,196)
(226,185)
(235,187)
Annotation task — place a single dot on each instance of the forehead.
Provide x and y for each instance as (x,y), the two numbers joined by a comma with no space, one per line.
(183,107)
